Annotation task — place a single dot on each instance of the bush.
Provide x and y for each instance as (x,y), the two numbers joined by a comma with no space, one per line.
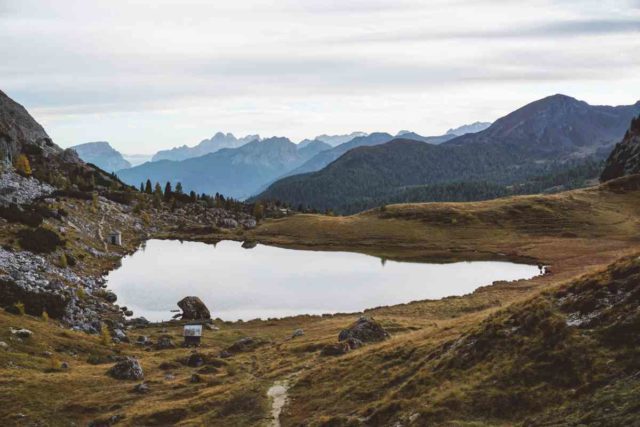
(62,261)
(16,215)
(40,240)
(23,167)
(105,336)
(73,194)
(122,197)
(20,308)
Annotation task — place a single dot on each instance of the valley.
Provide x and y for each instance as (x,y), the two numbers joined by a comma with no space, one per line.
(529,351)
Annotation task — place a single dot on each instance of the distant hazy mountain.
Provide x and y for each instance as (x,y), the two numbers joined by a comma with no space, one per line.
(435,140)
(625,157)
(137,159)
(532,141)
(376,138)
(323,158)
(333,140)
(216,142)
(236,172)
(471,128)
(101,154)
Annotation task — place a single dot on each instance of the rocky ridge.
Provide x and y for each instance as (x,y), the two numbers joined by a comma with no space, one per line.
(625,157)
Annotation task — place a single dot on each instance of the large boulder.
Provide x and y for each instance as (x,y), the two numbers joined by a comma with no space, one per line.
(127,369)
(365,329)
(193,309)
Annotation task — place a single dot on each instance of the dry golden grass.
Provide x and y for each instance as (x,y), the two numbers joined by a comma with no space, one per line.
(576,233)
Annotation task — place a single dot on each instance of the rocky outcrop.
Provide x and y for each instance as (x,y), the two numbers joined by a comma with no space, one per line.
(20,132)
(127,369)
(193,309)
(365,329)
(625,157)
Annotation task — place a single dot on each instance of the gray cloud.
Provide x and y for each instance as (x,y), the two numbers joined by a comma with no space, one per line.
(304,68)
(548,30)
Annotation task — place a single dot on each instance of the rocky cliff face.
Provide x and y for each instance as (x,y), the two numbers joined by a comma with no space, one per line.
(625,157)
(20,132)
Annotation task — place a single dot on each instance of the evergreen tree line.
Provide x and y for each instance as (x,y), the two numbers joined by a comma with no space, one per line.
(177,195)
(544,178)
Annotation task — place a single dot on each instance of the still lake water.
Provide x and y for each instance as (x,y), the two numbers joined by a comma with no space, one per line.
(237,283)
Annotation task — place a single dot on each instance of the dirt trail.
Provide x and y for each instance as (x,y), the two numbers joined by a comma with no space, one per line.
(278,395)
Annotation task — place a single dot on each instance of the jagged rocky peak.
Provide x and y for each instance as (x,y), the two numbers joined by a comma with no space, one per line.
(217,142)
(19,132)
(625,157)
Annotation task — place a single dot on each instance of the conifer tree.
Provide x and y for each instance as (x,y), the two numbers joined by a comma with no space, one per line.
(179,188)
(168,191)
(258,211)
(147,187)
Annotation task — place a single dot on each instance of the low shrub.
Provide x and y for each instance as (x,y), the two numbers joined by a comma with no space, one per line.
(14,214)
(122,197)
(19,308)
(74,194)
(40,240)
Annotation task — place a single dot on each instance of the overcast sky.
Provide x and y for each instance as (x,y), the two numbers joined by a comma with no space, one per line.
(147,75)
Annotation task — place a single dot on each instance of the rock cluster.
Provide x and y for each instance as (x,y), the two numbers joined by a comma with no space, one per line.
(17,189)
(195,215)
(41,286)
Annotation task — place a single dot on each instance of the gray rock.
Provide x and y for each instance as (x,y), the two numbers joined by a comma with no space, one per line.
(141,388)
(297,333)
(127,369)
(228,223)
(195,360)
(4,345)
(110,297)
(336,349)
(364,329)
(120,335)
(165,342)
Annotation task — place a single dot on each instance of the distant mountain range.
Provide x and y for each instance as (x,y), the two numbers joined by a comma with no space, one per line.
(310,155)
(236,172)
(333,140)
(531,141)
(470,128)
(101,154)
(216,142)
